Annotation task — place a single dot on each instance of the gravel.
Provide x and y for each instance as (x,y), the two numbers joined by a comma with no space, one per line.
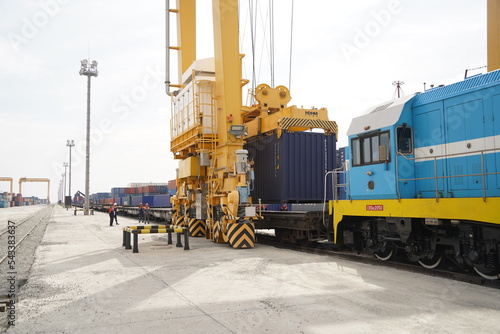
(24,254)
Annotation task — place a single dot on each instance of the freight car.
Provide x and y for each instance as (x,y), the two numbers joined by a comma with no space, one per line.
(422,178)
(163,214)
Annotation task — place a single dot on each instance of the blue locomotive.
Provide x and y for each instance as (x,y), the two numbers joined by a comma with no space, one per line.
(422,177)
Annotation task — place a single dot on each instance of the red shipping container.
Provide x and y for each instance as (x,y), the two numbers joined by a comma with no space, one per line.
(130,190)
(109,201)
(172,184)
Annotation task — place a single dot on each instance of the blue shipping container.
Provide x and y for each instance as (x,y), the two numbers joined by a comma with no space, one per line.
(161,201)
(292,168)
(135,200)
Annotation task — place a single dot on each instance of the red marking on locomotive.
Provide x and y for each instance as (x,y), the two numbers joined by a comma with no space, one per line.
(374,208)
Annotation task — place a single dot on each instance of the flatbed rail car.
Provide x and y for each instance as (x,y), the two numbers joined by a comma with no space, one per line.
(156,214)
(295,226)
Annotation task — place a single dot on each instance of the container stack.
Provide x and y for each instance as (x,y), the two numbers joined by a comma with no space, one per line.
(5,200)
(18,200)
(101,198)
(156,195)
(78,199)
(172,187)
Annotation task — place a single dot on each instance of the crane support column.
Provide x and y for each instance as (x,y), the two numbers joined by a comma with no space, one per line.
(230,192)
(493,38)
(9,179)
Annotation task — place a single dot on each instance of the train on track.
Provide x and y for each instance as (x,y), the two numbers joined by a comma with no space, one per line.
(422,177)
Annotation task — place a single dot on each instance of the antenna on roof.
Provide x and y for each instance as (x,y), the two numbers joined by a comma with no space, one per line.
(399,90)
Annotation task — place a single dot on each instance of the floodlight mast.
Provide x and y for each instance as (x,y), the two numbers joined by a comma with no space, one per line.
(89,70)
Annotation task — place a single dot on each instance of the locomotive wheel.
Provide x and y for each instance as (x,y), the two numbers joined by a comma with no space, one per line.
(489,276)
(385,253)
(433,262)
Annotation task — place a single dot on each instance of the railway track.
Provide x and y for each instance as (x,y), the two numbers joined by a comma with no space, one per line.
(18,242)
(446,270)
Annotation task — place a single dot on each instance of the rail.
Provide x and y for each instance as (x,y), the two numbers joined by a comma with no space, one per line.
(43,213)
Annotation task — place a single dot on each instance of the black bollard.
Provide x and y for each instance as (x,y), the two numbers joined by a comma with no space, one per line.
(127,240)
(186,239)
(136,243)
(179,243)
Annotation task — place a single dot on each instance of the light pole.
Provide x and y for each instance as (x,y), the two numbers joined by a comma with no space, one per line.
(70,144)
(89,70)
(65,164)
(60,192)
(63,181)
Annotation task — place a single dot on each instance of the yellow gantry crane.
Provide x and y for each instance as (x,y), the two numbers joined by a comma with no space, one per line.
(207,131)
(209,127)
(25,179)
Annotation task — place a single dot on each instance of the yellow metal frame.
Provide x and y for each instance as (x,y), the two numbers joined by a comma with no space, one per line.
(493,35)
(8,179)
(475,209)
(271,114)
(25,179)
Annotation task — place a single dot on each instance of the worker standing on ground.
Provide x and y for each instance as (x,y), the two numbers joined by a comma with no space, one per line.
(141,213)
(113,214)
(146,213)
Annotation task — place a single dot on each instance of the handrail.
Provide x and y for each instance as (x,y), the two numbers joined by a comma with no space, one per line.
(436,177)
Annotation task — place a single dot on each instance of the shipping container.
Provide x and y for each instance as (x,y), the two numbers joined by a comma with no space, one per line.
(135,200)
(172,184)
(131,190)
(161,201)
(125,200)
(292,168)
(148,199)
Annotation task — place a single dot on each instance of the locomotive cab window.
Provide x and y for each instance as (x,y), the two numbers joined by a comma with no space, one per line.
(370,149)
(404,139)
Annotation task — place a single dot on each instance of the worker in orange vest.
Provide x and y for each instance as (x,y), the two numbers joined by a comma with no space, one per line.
(113,214)
(141,213)
(146,213)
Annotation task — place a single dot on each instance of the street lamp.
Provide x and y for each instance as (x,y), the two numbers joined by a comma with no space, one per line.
(60,191)
(65,164)
(63,181)
(89,70)
(70,144)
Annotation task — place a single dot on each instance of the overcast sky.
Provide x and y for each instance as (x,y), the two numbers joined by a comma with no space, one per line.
(345,57)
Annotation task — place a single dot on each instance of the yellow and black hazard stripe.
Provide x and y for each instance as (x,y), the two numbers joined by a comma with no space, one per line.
(218,235)
(178,221)
(196,227)
(242,235)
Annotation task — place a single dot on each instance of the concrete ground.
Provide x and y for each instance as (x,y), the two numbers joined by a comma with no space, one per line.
(83,281)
